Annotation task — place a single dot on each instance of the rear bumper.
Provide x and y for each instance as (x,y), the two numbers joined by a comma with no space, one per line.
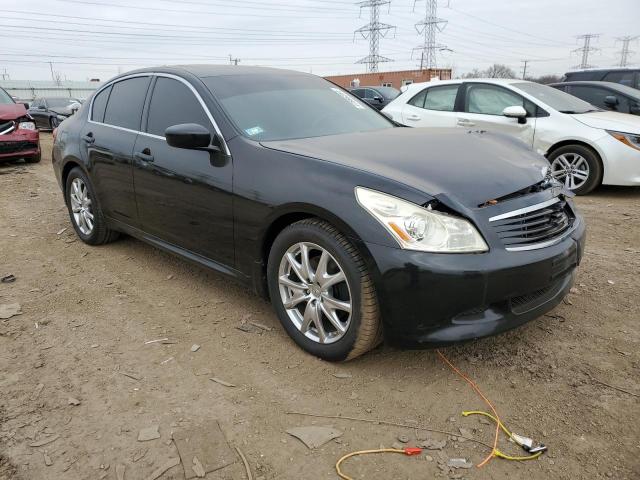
(19,144)
(437,299)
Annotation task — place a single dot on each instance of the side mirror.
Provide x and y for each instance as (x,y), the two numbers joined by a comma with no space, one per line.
(378,99)
(188,135)
(516,111)
(611,100)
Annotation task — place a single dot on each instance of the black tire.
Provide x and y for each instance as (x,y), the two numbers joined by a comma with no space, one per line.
(100,234)
(34,158)
(594,178)
(364,332)
(53,123)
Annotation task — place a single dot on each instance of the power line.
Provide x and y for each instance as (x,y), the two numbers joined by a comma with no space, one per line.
(428,27)
(625,52)
(373,31)
(586,48)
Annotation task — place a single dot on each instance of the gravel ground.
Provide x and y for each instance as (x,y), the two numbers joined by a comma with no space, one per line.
(78,379)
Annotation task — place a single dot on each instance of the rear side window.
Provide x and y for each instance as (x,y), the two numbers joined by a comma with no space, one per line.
(124,108)
(623,78)
(100,104)
(492,100)
(441,98)
(173,103)
(418,100)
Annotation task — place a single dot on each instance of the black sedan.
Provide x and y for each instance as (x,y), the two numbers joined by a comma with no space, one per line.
(48,112)
(377,97)
(357,230)
(605,95)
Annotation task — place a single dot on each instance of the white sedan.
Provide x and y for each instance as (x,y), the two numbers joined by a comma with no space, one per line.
(585,146)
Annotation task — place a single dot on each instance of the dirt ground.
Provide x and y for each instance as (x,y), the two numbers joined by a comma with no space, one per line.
(78,378)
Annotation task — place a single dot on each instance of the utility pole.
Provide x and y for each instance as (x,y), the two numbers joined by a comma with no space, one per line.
(4,75)
(53,77)
(524,68)
(373,31)
(625,53)
(233,61)
(586,48)
(428,27)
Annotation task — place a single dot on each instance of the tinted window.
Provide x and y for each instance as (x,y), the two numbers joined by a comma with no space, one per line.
(490,99)
(99,105)
(575,76)
(563,102)
(596,96)
(441,98)
(173,103)
(289,105)
(418,100)
(124,108)
(624,78)
(358,93)
(370,94)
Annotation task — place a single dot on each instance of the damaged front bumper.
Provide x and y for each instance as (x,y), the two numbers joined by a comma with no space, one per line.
(18,142)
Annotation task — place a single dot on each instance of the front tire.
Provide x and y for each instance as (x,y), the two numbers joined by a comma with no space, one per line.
(34,158)
(84,210)
(54,123)
(577,167)
(322,291)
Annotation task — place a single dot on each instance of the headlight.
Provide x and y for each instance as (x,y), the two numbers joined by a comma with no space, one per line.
(418,228)
(630,139)
(26,126)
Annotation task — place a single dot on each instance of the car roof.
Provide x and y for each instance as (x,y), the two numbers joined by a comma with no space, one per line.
(213,70)
(594,83)
(601,69)
(495,81)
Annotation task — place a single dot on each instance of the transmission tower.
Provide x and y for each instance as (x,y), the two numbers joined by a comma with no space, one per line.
(373,31)
(586,49)
(625,52)
(428,27)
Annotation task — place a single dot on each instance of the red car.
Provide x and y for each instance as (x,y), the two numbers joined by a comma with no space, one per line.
(19,137)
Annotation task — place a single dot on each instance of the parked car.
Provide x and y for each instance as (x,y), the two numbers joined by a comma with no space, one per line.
(18,135)
(629,77)
(377,97)
(48,112)
(353,227)
(605,95)
(585,146)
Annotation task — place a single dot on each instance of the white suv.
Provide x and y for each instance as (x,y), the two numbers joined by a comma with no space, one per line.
(585,145)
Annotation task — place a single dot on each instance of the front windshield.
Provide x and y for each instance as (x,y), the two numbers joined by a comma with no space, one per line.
(389,92)
(287,106)
(556,99)
(60,102)
(5,98)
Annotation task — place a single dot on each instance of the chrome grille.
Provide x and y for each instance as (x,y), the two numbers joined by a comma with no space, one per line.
(536,226)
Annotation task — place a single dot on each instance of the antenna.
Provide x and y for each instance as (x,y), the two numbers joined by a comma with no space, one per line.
(373,31)
(428,27)
(586,49)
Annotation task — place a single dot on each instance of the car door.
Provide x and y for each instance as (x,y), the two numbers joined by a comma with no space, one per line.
(107,141)
(38,111)
(483,104)
(432,107)
(184,196)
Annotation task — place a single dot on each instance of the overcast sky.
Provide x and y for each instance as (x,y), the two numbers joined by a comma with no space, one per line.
(100,38)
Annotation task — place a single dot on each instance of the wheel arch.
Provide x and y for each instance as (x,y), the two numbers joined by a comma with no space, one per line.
(292,214)
(581,143)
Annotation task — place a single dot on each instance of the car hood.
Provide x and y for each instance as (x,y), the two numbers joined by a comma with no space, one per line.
(471,167)
(12,111)
(620,122)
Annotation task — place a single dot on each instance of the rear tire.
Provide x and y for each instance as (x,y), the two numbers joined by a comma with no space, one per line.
(342,335)
(577,167)
(84,210)
(53,123)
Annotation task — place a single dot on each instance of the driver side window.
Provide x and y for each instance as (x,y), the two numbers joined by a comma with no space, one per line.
(491,99)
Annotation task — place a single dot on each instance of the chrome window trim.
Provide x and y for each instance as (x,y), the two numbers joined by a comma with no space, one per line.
(520,211)
(535,246)
(165,75)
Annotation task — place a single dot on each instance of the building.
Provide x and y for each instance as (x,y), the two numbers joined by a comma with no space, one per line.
(27,90)
(389,79)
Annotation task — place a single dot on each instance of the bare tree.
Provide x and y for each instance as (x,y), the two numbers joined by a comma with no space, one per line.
(494,71)
(546,79)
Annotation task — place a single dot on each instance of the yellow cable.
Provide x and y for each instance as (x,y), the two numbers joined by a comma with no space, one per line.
(497,452)
(344,476)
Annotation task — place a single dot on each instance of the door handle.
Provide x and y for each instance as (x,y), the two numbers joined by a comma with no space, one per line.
(144,155)
(413,117)
(464,122)
(89,138)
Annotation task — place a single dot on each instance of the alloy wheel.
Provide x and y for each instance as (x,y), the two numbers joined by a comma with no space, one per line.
(571,169)
(315,292)
(81,206)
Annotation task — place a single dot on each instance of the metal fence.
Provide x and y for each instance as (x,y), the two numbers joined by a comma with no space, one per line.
(27,90)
